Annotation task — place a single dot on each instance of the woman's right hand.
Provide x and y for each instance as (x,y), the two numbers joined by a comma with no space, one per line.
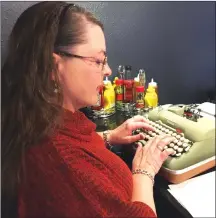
(151,156)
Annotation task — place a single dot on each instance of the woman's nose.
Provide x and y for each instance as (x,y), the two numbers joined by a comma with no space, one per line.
(107,70)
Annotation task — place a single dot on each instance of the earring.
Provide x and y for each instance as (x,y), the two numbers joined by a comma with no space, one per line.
(56,88)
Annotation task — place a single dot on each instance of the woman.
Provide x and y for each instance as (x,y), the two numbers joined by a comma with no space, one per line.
(54,164)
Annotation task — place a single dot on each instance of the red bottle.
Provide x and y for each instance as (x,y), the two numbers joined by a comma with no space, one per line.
(100,102)
(128,91)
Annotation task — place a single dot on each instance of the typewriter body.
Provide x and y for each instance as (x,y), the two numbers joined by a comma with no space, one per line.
(194,145)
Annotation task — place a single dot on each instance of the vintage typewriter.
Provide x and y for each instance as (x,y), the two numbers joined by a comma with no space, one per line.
(194,147)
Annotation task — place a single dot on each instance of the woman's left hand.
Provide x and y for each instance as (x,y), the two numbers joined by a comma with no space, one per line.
(123,133)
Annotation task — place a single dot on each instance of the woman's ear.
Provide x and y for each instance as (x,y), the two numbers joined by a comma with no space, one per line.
(59,64)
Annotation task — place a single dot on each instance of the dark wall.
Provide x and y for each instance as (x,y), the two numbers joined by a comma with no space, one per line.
(173,41)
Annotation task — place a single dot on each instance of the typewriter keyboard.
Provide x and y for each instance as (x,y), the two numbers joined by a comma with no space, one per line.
(180,145)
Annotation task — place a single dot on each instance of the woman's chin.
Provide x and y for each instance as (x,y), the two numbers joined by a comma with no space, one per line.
(91,102)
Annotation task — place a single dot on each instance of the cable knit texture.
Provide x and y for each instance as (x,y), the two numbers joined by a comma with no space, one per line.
(72,174)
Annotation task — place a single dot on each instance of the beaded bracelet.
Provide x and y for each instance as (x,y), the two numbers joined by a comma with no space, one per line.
(144,172)
(105,133)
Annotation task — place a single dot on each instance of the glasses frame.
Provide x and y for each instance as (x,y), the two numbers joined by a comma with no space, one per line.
(91,59)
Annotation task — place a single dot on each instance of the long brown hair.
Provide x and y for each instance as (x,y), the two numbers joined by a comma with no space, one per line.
(30,107)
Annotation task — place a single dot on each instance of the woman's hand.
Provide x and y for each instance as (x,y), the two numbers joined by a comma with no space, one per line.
(151,156)
(123,133)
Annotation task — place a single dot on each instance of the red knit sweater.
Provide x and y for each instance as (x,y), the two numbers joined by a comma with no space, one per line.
(73,175)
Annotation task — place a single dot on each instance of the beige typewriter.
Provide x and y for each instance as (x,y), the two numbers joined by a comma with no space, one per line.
(194,146)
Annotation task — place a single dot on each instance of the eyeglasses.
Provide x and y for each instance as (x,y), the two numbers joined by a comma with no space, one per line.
(98,62)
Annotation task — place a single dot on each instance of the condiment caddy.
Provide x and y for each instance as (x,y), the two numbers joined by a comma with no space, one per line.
(126,94)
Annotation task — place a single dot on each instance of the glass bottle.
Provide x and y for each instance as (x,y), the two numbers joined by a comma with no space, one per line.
(128,72)
(128,85)
(142,77)
(121,71)
(119,93)
(140,97)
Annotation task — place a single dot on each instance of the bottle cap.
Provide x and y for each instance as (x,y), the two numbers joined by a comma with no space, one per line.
(116,78)
(141,71)
(106,81)
(152,83)
(140,89)
(119,82)
(128,67)
(121,68)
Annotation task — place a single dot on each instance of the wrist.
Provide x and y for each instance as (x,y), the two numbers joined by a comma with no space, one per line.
(107,138)
(139,173)
(140,180)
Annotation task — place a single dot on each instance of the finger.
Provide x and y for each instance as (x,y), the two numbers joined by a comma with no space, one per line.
(165,154)
(156,145)
(139,118)
(138,125)
(152,143)
(165,141)
(148,144)
(138,155)
(142,135)
(134,138)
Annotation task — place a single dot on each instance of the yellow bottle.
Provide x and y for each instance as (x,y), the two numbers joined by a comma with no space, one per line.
(154,85)
(151,98)
(109,97)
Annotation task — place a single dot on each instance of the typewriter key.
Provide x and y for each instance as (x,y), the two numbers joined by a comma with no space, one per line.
(178,136)
(173,154)
(157,131)
(186,140)
(176,147)
(171,145)
(150,132)
(185,145)
(178,154)
(179,143)
(182,139)
(147,137)
(180,150)
(175,141)
(187,149)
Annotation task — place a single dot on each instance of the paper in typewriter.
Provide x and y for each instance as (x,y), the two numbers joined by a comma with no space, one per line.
(197,195)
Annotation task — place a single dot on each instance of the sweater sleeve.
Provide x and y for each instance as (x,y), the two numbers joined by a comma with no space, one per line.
(89,178)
